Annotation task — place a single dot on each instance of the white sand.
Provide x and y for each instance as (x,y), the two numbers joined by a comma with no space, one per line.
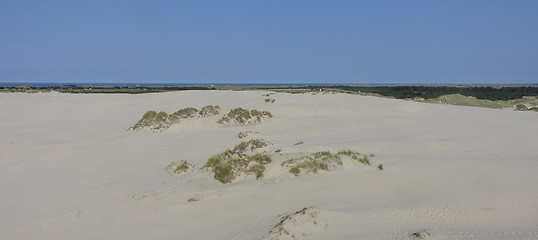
(69,170)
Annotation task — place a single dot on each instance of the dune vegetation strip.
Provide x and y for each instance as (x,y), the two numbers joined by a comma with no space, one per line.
(323,161)
(246,158)
(161,121)
(240,116)
(155,121)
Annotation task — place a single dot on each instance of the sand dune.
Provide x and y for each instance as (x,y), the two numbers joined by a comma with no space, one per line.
(69,169)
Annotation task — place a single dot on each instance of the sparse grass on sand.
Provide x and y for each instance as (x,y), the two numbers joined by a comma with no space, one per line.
(178,167)
(322,161)
(243,159)
(245,134)
(421,234)
(245,117)
(209,110)
(523,104)
(162,120)
(155,121)
(319,161)
(186,113)
(307,215)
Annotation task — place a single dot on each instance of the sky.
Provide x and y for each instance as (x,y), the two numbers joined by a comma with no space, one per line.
(245,42)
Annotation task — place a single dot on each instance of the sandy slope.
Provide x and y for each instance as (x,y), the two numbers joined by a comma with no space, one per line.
(69,170)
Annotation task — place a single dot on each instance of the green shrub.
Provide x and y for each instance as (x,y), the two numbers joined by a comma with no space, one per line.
(299,143)
(380,166)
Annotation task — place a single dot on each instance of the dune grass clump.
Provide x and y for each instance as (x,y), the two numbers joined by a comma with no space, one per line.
(209,110)
(226,166)
(364,159)
(299,143)
(284,227)
(319,161)
(178,168)
(245,117)
(250,145)
(186,113)
(155,121)
(270,100)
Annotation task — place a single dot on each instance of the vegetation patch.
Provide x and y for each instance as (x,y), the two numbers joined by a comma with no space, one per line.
(178,167)
(186,113)
(421,234)
(380,166)
(270,100)
(209,110)
(319,161)
(287,224)
(299,143)
(245,134)
(245,117)
(155,121)
(244,159)
(324,161)
(193,200)
(364,159)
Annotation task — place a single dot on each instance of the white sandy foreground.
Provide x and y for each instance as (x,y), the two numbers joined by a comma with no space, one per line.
(70,170)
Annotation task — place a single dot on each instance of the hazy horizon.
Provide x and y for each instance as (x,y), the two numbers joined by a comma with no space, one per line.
(277,42)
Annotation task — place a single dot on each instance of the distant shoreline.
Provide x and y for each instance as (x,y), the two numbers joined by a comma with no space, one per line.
(52,84)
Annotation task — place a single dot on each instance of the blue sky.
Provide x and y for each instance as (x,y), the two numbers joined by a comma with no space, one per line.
(422,41)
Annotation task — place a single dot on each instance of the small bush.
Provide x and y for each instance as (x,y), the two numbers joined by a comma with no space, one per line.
(299,143)
(380,166)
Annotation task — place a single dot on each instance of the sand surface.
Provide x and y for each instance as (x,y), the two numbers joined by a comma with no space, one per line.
(70,170)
